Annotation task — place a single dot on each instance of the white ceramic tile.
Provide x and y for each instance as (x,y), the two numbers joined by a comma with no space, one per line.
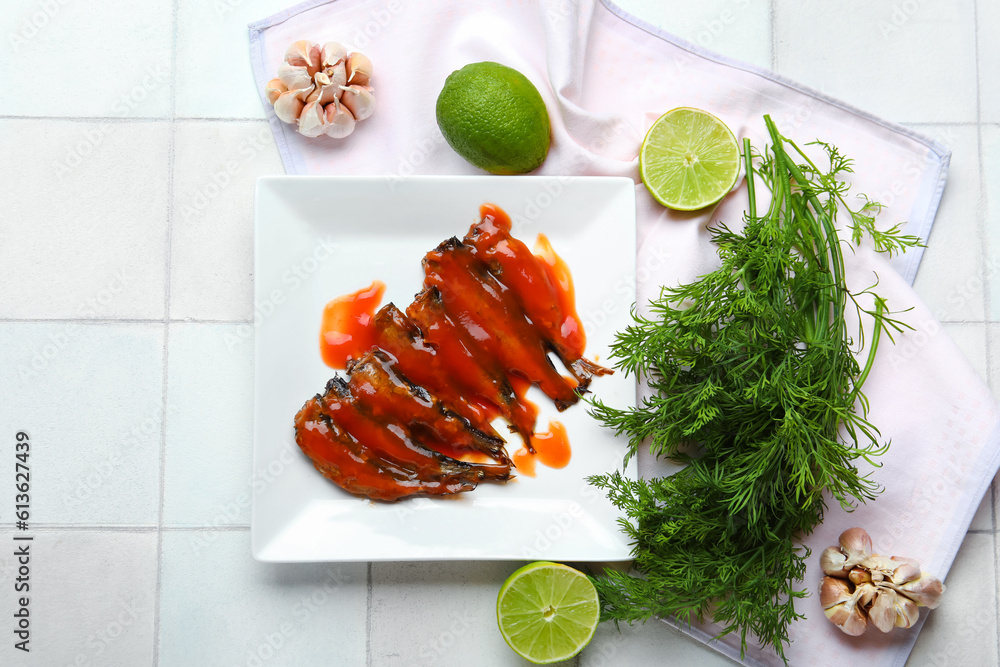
(209,431)
(213,57)
(83,230)
(456,607)
(218,606)
(988,18)
(963,630)
(215,169)
(991,222)
(735,28)
(971,340)
(907,62)
(951,279)
(647,644)
(99,59)
(90,396)
(91,599)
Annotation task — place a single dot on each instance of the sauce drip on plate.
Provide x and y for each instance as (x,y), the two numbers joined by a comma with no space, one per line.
(552,450)
(346,331)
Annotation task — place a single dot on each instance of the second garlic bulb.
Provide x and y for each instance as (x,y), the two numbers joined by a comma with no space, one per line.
(322,90)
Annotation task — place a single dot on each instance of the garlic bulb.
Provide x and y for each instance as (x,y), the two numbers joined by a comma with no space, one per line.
(322,90)
(861,587)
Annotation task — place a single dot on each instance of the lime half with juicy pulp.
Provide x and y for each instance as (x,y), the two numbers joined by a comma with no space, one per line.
(689,159)
(547,612)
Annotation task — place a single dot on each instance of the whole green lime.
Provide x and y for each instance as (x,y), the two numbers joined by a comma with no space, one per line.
(493,116)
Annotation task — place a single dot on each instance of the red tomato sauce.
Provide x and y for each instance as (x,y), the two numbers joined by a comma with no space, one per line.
(346,331)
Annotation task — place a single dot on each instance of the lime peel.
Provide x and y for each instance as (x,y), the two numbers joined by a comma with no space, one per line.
(495,118)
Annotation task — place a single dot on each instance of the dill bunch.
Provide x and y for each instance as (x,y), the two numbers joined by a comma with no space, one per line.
(756,388)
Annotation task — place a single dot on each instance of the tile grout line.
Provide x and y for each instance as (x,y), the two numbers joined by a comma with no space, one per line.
(132,528)
(368,621)
(122,320)
(171,146)
(118,120)
(985,252)
(774,39)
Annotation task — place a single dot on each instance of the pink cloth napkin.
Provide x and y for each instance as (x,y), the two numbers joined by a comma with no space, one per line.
(604,76)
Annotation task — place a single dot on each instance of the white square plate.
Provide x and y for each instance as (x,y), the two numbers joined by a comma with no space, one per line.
(320,237)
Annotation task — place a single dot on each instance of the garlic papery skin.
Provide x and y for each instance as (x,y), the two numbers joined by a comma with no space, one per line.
(359,69)
(275,87)
(340,122)
(288,107)
(925,591)
(312,90)
(359,101)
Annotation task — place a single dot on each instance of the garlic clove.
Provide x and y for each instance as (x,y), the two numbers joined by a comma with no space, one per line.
(359,100)
(856,543)
(849,619)
(288,106)
(859,575)
(883,610)
(905,573)
(925,591)
(337,74)
(326,91)
(907,612)
(304,53)
(275,87)
(312,120)
(304,93)
(833,562)
(340,122)
(834,591)
(295,77)
(359,69)
(333,53)
(865,593)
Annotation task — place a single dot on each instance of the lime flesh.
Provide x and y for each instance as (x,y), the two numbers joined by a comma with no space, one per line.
(689,159)
(547,612)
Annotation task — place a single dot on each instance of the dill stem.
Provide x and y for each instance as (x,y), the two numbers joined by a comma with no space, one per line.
(749,170)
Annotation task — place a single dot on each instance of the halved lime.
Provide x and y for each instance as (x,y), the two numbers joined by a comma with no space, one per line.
(547,612)
(689,159)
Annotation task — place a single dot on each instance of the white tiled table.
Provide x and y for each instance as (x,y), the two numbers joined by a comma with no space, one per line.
(126,287)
